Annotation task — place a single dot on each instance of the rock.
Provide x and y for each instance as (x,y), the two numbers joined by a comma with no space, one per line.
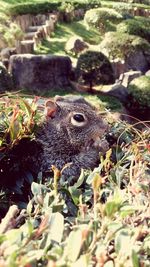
(137,61)
(75,45)
(127,77)
(40,72)
(5,79)
(29,35)
(119,67)
(147,73)
(119,91)
(7,52)
(25,47)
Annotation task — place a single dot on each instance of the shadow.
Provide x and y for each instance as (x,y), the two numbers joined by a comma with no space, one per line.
(61,31)
(89,36)
(52,47)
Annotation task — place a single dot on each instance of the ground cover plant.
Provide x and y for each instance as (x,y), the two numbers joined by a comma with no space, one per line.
(139,98)
(117,45)
(139,26)
(103,218)
(63,32)
(94,68)
(101,18)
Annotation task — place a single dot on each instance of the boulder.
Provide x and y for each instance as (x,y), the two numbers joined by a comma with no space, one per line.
(25,47)
(138,61)
(7,52)
(75,45)
(40,72)
(147,73)
(119,91)
(5,79)
(118,66)
(127,77)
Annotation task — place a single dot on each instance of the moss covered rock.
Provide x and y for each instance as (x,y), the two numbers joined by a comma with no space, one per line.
(5,79)
(101,17)
(134,50)
(139,96)
(139,26)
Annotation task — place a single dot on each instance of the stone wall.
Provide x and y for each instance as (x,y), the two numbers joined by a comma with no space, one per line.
(40,72)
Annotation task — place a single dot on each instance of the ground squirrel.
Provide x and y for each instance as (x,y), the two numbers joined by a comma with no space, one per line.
(70,135)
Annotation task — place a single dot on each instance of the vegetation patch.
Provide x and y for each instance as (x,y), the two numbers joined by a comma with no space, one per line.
(126,4)
(101,17)
(139,26)
(121,45)
(139,90)
(36,7)
(63,32)
(100,212)
(94,68)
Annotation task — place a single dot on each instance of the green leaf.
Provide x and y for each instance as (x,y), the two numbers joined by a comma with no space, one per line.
(83,261)
(80,180)
(75,194)
(74,244)
(127,210)
(36,188)
(122,238)
(109,264)
(135,259)
(56,227)
(111,207)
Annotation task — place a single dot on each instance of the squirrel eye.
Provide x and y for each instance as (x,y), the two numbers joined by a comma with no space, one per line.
(78,119)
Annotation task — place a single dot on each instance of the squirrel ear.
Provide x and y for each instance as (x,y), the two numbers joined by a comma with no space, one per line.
(50,108)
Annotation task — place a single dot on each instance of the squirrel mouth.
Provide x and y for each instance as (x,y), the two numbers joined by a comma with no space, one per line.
(99,144)
(95,143)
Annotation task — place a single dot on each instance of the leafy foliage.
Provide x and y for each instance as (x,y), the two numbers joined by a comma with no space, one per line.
(18,120)
(5,79)
(99,17)
(94,68)
(139,26)
(104,210)
(139,90)
(49,6)
(9,32)
(121,45)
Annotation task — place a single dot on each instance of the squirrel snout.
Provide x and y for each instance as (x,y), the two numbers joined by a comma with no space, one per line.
(103,126)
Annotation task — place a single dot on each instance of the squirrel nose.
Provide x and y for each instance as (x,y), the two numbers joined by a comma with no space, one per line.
(104,125)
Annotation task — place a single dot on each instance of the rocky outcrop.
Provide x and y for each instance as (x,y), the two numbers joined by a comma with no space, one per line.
(138,61)
(5,79)
(147,73)
(40,72)
(126,77)
(27,20)
(75,45)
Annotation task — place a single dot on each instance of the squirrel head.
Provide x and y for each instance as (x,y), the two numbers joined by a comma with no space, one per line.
(75,121)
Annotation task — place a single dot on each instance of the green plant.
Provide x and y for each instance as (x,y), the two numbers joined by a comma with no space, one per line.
(93,3)
(66,7)
(33,8)
(97,216)
(6,83)
(139,26)
(99,17)
(139,90)
(9,32)
(94,68)
(36,7)
(121,45)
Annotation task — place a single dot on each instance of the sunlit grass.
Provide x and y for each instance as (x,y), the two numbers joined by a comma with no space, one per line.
(63,32)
